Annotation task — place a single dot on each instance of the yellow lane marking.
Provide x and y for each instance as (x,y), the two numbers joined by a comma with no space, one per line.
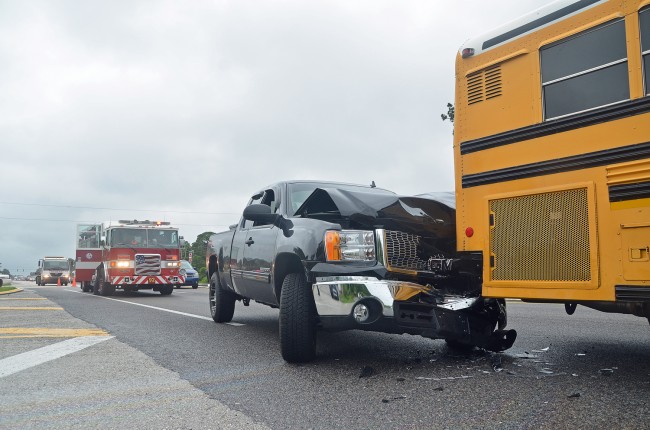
(29,308)
(22,298)
(23,332)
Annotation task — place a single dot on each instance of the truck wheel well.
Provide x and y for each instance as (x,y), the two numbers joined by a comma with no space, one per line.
(212,266)
(284,264)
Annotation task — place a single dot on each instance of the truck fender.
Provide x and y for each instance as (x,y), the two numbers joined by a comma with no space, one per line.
(285,263)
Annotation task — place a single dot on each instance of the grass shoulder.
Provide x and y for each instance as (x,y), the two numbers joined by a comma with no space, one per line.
(6,288)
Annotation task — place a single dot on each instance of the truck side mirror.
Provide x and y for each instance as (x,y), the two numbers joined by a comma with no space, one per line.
(261,214)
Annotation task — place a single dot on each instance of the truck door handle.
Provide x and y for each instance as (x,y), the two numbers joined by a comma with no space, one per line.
(250,241)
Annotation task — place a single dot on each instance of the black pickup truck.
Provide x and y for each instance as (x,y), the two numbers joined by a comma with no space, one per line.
(335,256)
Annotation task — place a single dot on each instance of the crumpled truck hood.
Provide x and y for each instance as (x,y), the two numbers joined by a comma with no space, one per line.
(428,215)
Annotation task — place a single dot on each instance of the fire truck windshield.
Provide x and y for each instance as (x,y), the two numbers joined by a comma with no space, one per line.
(144,238)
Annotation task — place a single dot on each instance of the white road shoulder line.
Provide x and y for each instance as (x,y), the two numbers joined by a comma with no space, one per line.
(19,362)
(201,317)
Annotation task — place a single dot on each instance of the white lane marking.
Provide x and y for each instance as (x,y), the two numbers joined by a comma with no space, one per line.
(25,360)
(201,317)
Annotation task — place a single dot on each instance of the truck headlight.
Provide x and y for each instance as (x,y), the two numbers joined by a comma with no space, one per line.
(172,264)
(350,245)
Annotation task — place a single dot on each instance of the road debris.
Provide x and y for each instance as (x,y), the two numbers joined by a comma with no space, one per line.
(390,399)
(448,378)
(496,365)
(607,372)
(573,395)
(526,355)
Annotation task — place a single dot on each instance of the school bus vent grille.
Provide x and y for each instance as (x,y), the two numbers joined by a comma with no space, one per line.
(541,237)
(484,85)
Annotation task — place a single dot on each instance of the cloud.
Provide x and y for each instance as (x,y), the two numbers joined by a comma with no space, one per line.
(171,107)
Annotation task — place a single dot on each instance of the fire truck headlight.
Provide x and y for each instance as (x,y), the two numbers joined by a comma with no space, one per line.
(173,264)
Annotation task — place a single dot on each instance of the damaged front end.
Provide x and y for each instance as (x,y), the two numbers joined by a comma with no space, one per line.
(414,280)
(366,303)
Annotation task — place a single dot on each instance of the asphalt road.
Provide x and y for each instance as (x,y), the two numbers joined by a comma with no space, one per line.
(590,370)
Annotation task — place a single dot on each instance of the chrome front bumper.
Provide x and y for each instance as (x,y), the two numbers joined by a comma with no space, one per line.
(338,295)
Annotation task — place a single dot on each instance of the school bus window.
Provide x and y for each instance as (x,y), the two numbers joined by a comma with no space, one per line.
(644,27)
(585,71)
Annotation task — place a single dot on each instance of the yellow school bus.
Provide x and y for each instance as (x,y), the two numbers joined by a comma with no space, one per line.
(552,155)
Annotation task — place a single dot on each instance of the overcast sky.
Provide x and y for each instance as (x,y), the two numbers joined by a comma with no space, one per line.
(180,110)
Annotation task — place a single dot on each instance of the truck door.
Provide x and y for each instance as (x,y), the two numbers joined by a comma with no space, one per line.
(259,253)
(237,269)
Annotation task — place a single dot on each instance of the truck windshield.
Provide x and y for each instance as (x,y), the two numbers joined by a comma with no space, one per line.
(55,265)
(299,192)
(144,238)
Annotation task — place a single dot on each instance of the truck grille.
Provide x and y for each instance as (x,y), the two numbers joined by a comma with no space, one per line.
(402,251)
(147,264)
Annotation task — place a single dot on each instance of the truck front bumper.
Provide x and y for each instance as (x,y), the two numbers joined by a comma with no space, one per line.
(366,303)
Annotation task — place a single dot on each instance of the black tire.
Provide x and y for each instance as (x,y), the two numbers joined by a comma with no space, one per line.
(108,289)
(195,286)
(86,286)
(102,288)
(222,302)
(166,290)
(297,320)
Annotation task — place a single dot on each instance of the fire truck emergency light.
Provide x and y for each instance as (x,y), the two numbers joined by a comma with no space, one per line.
(145,222)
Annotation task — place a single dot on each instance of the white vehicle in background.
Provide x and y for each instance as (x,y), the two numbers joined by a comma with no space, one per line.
(53,270)
(3,277)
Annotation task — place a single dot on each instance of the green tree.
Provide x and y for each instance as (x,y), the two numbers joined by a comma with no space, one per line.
(451,110)
(198,249)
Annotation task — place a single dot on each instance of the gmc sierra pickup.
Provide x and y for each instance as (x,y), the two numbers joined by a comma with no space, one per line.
(335,256)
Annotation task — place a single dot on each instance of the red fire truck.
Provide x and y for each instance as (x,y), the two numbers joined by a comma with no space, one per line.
(128,255)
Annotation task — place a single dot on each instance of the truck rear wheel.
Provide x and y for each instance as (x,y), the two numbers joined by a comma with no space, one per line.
(297,320)
(222,302)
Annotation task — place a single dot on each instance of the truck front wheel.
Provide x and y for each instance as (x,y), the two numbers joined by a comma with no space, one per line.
(101,287)
(222,302)
(166,290)
(297,320)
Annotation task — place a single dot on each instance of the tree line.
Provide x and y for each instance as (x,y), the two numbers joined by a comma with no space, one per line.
(198,248)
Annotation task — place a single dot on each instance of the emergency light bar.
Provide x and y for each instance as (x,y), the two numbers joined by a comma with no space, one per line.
(145,222)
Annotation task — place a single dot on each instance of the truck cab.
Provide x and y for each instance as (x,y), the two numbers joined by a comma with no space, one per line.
(53,270)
